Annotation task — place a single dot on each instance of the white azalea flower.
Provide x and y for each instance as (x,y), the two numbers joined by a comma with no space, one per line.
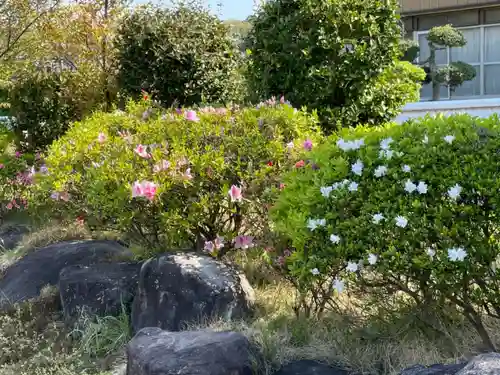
(357,168)
(350,145)
(454,191)
(380,171)
(377,218)
(406,168)
(430,252)
(352,267)
(353,186)
(312,224)
(426,139)
(449,139)
(386,154)
(334,238)
(401,221)
(326,190)
(386,143)
(456,254)
(315,271)
(422,187)
(372,259)
(338,285)
(410,187)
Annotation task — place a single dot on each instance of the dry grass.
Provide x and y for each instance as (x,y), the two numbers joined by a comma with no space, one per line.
(366,347)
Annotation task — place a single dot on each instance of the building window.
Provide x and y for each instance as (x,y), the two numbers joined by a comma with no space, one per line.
(481,51)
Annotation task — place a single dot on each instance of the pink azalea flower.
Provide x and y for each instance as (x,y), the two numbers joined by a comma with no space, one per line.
(149,190)
(300,164)
(282,100)
(136,189)
(243,242)
(235,194)
(101,138)
(308,145)
(191,116)
(146,189)
(9,206)
(209,246)
(187,175)
(64,196)
(141,150)
(161,166)
(219,242)
(2,166)
(18,154)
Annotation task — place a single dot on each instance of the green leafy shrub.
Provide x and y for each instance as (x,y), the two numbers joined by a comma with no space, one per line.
(181,55)
(326,55)
(412,207)
(180,167)
(43,105)
(15,175)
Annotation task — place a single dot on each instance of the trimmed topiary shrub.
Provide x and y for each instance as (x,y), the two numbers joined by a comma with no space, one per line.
(327,55)
(182,55)
(412,207)
(176,178)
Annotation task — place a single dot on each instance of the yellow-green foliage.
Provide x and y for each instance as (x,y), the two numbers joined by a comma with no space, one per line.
(93,168)
(435,184)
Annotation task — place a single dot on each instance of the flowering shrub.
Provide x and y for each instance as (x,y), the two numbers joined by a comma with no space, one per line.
(177,178)
(15,176)
(414,207)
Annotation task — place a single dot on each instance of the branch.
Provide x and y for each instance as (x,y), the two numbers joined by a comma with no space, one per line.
(10,43)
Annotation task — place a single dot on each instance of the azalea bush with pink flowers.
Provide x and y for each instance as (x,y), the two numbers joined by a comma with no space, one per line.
(180,178)
(413,208)
(15,176)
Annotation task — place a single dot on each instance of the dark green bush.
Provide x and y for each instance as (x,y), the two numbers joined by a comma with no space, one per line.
(182,55)
(326,54)
(44,104)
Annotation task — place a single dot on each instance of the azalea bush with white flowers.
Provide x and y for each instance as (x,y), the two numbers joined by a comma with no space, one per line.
(178,178)
(414,207)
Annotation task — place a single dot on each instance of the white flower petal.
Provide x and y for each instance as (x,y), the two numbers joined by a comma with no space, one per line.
(334,239)
(401,221)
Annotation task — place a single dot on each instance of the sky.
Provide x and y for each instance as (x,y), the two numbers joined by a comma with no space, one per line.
(233,9)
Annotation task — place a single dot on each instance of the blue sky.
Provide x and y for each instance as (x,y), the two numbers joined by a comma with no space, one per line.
(233,9)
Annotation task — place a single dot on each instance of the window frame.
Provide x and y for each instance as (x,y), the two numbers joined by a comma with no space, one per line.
(481,63)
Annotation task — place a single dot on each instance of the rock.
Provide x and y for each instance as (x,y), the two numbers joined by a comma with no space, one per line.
(25,279)
(308,367)
(156,352)
(437,369)
(176,289)
(483,364)
(101,289)
(11,235)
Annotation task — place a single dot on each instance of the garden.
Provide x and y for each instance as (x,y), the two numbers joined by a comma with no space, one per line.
(181,196)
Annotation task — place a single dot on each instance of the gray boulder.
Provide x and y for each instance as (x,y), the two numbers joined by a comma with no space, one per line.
(308,367)
(25,279)
(100,289)
(483,364)
(437,369)
(11,235)
(176,289)
(156,352)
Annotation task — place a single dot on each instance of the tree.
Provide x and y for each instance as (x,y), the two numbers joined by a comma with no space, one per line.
(326,54)
(17,19)
(453,75)
(182,55)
